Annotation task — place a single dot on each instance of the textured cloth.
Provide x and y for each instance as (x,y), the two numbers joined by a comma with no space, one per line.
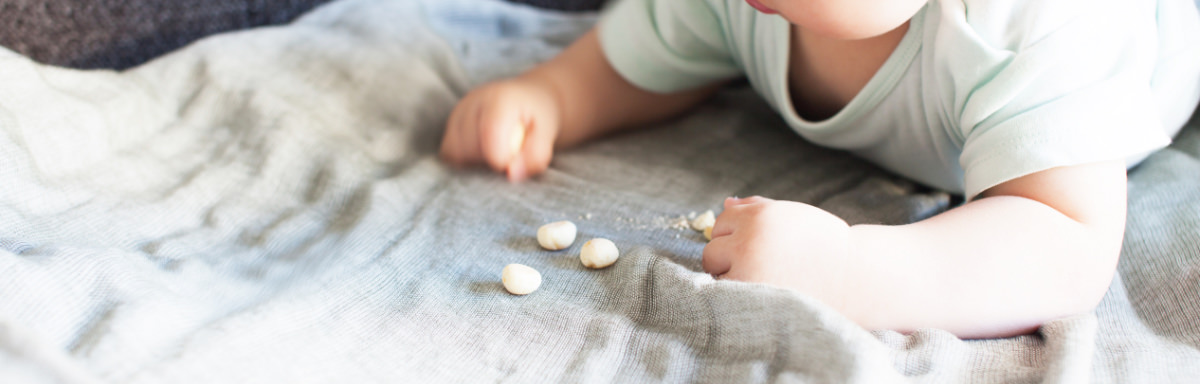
(975,94)
(267,206)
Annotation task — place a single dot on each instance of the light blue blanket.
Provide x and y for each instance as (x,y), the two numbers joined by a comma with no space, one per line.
(267,206)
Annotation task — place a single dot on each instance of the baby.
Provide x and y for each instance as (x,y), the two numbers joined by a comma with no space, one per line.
(1031,109)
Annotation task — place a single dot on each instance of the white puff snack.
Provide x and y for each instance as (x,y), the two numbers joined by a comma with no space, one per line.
(705,220)
(556,235)
(708,233)
(598,253)
(520,279)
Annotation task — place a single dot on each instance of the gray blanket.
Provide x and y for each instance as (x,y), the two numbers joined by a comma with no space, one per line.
(267,206)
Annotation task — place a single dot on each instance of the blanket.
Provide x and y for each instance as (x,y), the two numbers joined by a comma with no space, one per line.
(268,206)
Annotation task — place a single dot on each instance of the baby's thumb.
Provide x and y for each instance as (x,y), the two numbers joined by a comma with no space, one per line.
(502,136)
(534,153)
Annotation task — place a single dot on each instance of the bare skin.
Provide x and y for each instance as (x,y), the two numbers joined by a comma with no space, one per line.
(1029,250)
(561,103)
(826,73)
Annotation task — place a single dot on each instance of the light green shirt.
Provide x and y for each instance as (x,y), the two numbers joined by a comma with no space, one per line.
(977,93)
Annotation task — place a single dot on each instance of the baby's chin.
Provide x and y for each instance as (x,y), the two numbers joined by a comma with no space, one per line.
(847,23)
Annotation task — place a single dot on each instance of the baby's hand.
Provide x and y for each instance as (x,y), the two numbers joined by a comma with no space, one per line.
(510,125)
(782,243)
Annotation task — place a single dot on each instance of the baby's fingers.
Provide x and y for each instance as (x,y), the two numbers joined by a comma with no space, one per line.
(535,152)
(735,201)
(502,134)
(736,210)
(718,255)
(460,145)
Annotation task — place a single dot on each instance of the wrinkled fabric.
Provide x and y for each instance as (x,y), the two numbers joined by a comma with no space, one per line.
(268,206)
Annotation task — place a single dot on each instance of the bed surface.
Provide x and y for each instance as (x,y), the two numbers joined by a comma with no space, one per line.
(267,206)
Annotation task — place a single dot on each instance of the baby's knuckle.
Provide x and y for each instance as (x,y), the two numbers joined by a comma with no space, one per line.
(764,215)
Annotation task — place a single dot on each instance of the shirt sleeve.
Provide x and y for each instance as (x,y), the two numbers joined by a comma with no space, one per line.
(1051,84)
(666,46)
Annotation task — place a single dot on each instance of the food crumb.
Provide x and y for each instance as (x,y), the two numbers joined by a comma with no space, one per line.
(681,223)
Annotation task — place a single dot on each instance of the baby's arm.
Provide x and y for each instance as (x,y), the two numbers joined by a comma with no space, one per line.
(1030,250)
(563,102)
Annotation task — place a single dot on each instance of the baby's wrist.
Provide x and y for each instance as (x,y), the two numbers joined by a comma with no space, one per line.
(861,279)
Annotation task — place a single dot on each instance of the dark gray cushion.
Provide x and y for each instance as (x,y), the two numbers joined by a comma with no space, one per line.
(123,33)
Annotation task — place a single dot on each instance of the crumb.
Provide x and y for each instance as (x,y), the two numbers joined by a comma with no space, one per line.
(681,223)
(704,220)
